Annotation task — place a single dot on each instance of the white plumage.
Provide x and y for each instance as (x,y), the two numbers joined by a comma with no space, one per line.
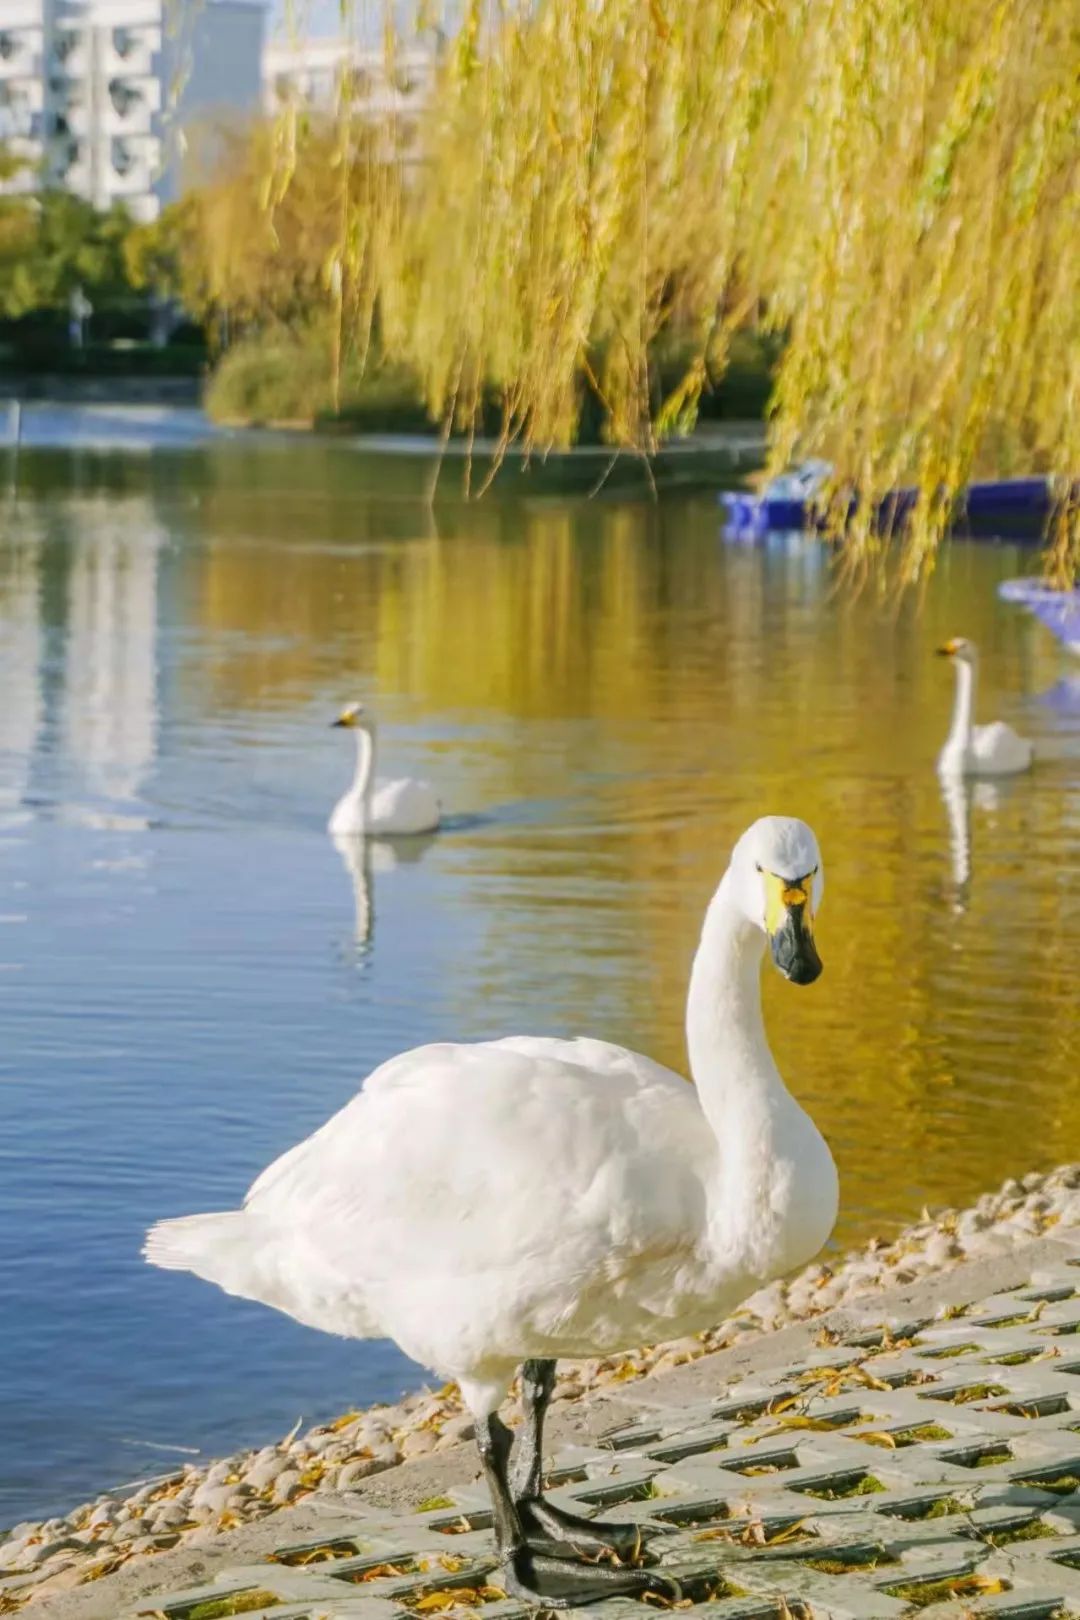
(484,1203)
(971,750)
(399,808)
(530,1198)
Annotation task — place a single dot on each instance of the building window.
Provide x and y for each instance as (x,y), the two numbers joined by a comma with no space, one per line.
(122,96)
(9,46)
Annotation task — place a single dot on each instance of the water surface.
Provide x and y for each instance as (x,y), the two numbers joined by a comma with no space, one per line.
(606,695)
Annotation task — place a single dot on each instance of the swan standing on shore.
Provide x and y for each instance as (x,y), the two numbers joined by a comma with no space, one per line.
(385,810)
(523,1199)
(971,750)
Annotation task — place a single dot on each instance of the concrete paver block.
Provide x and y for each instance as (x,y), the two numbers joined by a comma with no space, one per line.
(929,1465)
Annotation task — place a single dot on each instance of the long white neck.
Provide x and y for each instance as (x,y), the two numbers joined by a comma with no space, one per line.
(964,707)
(364,780)
(737,1081)
(772,1191)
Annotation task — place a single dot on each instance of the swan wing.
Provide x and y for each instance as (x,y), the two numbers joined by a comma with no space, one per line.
(998,745)
(406,805)
(533,1158)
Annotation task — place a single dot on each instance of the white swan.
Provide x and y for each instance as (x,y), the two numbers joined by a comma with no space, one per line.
(387,809)
(529,1198)
(971,750)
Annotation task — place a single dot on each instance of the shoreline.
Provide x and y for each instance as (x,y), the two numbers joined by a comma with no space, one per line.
(190,1506)
(108,421)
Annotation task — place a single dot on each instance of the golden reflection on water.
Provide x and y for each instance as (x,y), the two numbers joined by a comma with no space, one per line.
(607,695)
(665,691)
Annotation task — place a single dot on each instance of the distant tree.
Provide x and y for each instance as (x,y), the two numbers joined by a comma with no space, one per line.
(154,252)
(10,163)
(52,242)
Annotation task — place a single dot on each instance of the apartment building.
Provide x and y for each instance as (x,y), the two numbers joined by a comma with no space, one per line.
(312,71)
(103,96)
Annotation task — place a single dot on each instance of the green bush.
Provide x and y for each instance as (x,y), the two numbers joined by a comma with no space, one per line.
(283,374)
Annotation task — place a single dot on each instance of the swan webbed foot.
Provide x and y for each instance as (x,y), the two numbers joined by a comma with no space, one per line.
(546,1525)
(563,1583)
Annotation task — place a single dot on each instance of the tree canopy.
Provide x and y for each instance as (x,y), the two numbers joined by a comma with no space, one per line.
(52,242)
(892,186)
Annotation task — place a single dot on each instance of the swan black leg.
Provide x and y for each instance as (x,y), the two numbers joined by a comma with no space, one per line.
(543,1522)
(532,1571)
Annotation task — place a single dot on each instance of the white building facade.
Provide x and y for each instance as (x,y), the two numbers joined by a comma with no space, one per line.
(101,96)
(313,73)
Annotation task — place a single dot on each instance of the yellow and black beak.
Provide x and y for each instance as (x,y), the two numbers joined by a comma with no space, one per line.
(789,923)
(948,649)
(347,719)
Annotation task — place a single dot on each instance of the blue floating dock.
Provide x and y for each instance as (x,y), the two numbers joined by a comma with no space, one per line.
(1059,611)
(1007,508)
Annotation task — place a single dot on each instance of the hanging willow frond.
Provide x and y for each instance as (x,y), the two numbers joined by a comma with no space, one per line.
(891,186)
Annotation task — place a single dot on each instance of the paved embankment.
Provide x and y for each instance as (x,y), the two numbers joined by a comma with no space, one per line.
(145,1528)
(916,1449)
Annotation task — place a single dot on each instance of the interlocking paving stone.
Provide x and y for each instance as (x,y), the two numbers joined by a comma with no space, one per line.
(929,1465)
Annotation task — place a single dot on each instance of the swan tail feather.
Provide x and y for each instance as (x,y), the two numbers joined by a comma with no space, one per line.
(220,1248)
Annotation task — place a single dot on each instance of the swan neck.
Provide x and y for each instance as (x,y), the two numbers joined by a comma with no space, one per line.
(364,780)
(730,1060)
(964,705)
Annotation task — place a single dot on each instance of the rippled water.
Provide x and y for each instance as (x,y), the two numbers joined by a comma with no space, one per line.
(605,694)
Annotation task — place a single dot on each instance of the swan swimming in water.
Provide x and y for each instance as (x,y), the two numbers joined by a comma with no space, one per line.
(518,1200)
(971,750)
(398,808)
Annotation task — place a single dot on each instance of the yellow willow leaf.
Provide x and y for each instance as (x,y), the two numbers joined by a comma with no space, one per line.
(774,1408)
(798,1421)
(786,1534)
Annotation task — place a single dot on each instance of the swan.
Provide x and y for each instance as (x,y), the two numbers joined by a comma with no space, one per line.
(971,750)
(517,1200)
(391,809)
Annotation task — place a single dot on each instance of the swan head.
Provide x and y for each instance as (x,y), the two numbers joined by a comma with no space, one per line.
(355,717)
(960,648)
(777,880)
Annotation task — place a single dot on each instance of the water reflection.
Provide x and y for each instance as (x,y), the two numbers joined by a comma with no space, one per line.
(956,797)
(109,706)
(960,795)
(79,659)
(356,858)
(364,858)
(21,655)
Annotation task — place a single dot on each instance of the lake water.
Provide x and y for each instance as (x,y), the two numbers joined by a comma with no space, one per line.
(605,694)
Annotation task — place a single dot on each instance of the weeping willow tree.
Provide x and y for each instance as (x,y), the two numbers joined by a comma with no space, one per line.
(892,186)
